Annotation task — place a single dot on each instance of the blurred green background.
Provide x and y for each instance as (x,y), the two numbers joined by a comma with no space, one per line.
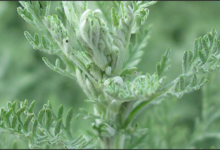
(175,25)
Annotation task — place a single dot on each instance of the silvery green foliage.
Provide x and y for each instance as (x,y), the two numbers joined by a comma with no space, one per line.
(207,126)
(97,52)
(167,129)
(45,127)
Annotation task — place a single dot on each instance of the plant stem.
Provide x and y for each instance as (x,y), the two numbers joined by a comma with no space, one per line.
(116,142)
(139,108)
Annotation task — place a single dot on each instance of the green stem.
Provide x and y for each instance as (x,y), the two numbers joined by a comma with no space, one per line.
(139,108)
(117,140)
(135,112)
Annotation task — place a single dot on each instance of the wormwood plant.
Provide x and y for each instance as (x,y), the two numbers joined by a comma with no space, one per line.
(101,52)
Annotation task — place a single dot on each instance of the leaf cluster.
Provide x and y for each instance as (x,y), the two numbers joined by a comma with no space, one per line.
(44,128)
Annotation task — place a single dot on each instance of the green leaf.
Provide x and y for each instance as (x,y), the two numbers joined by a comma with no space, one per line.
(13,106)
(46,61)
(9,105)
(193,81)
(45,42)
(25,103)
(49,105)
(34,128)
(14,121)
(59,70)
(39,133)
(27,122)
(196,49)
(58,127)
(21,110)
(31,107)
(205,56)
(41,115)
(45,10)
(203,81)
(202,57)
(57,63)
(8,113)
(36,6)
(68,118)
(19,128)
(36,39)
(205,45)
(29,38)
(48,119)
(60,111)
(180,88)
(26,15)
(163,66)
(182,83)
(187,59)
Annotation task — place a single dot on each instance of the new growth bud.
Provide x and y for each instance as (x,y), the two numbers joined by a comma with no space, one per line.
(94,35)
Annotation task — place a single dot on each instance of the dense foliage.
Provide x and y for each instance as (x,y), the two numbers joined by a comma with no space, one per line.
(121,94)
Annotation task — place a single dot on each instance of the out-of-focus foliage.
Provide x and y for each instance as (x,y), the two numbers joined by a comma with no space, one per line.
(190,122)
(47,127)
